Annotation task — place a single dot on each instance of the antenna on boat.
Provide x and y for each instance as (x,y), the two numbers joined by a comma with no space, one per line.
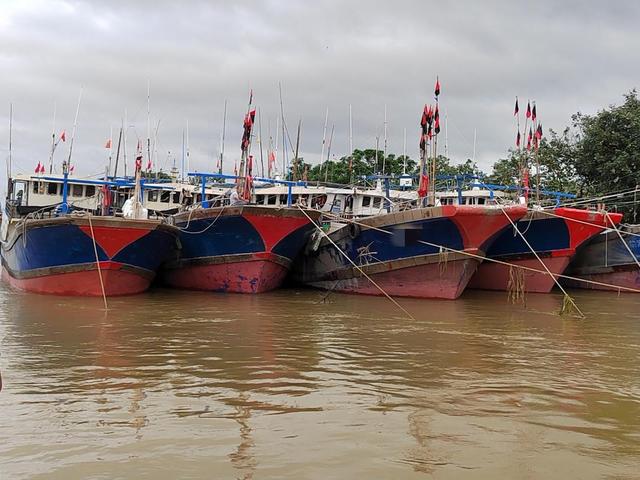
(73,132)
(187,153)
(53,139)
(224,127)
(446,135)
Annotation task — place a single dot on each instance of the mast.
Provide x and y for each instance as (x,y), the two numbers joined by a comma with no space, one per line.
(260,142)
(73,132)
(10,140)
(404,153)
(53,139)
(241,180)
(124,141)
(284,140)
(224,127)
(150,163)
(276,135)
(295,158)
(187,153)
(182,162)
(326,170)
(115,170)
(324,140)
(384,155)
(110,150)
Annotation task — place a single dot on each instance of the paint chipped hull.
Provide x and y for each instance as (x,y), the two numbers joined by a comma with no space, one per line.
(57,256)
(243,249)
(554,238)
(401,252)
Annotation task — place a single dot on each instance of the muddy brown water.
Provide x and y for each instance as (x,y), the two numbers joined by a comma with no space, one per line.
(291,384)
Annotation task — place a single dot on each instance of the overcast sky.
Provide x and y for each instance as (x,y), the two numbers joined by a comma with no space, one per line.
(569,56)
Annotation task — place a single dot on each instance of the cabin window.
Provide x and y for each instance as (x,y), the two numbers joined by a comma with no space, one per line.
(76,190)
(366,201)
(175,197)
(271,200)
(165,196)
(481,201)
(152,196)
(35,187)
(376,202)
(52,188)
(283,199)
(90,190)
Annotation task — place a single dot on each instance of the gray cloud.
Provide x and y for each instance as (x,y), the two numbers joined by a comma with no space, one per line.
(568,56)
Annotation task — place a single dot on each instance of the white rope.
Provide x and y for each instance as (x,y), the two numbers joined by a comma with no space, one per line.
(95,250)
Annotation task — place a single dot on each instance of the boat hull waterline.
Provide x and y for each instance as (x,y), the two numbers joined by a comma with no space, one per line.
(57,255)
(554,240)
(238,249)
(424,253)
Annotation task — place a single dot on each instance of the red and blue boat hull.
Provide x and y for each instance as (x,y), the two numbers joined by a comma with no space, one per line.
(58,255)
(608,261)
(423,253)
(244,249)
(554,238)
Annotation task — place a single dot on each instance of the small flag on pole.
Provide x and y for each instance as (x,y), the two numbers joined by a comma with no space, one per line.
(63,136)
(108,144)
(518,140)
(516,109)
(72,168)
(533,113)
(38,168)
(528,110)
(437,89)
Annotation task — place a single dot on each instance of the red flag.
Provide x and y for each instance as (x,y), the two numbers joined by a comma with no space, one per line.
(38,168)
(528,110)
(437,89)
(539,132)
(533,113)
(424,186)
(149,165)
(63,136)
(529,138)
(516,109)
(72,168)
(525,183)
(436,121)
(518,140)
(108,144)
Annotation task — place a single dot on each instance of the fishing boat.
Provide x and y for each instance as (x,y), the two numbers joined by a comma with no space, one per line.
(72,245)
(240,248)
(609,258)
(542,247)
(428,252)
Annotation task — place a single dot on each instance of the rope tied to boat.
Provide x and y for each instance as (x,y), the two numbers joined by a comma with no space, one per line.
(95,251)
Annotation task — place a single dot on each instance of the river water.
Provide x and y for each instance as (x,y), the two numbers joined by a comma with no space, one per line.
(294,384)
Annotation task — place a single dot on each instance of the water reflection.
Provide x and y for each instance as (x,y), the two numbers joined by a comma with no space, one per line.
(296,381)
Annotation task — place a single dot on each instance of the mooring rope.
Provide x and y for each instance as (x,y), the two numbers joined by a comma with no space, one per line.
(356,266)
(500,262)
(622,240)
(95,250)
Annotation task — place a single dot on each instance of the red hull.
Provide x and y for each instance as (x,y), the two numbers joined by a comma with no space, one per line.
(495,276)
(627,279)
(434,280)
(256,275)
(117,281)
